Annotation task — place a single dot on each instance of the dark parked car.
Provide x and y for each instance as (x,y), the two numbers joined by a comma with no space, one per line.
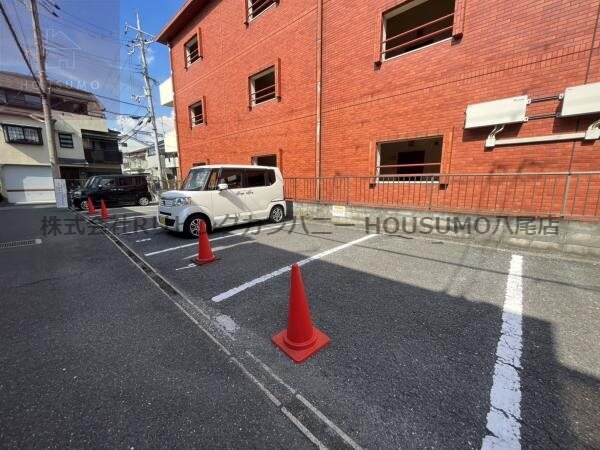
(114,190)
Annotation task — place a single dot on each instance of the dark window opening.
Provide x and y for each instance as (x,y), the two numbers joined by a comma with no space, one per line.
(15,134)
(256,178)
(416,24)
(265,160)
(59,104)
(65,140)
(262,87)
(256,7)
(192,51)
(196,114)
(418,158)
(20,99)
(101,148)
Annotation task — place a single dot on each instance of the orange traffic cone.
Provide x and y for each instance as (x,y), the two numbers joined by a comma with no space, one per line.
(90,205)
(205,254)
(103,211)
(301,339)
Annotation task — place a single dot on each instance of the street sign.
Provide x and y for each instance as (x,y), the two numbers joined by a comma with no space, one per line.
(60,191)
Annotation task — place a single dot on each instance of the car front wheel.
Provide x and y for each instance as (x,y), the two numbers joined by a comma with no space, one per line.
(83,205)
(191,227)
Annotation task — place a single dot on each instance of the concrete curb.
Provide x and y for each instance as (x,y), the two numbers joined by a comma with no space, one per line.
(525,232)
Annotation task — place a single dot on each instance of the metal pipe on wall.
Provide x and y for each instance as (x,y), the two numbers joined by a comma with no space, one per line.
(319,96)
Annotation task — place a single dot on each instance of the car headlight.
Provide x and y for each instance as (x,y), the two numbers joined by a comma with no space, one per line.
(77,193)
(180,201)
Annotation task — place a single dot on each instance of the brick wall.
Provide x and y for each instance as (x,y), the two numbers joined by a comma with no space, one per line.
(538,48)
(232,52)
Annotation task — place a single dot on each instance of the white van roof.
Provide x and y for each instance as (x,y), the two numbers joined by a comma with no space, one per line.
(237,166)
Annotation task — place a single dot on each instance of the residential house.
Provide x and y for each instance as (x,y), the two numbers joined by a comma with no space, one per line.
(139,157)
(84,143)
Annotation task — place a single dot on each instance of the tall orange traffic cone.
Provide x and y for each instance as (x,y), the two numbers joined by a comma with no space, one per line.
(205,254)
(301,339)
(90,205)
(103,211)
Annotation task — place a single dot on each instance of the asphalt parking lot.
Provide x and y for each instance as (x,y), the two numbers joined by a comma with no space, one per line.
(434,343)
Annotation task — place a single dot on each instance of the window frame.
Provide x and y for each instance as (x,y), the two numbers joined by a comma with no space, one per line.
(202,104)
(400,178)
(19,99)
(186,54)
(385,15)
(250,16)
(276,69)
(8,140)
(60,142)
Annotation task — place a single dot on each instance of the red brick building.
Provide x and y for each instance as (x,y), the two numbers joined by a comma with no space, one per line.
(366,88)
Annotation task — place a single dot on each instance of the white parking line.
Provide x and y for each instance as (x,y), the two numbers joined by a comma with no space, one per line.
(503,420)
(140,231)
(236,290)
(144,240)
(126,218)
(189,266)
(222,247)
(242,367)
(227,236)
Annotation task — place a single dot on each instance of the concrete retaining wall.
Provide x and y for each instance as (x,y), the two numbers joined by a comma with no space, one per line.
(581,238)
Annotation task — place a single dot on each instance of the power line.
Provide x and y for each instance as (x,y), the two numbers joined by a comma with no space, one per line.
(14,35)
(116,33)
(119,101)
(120,113)
(74,25)
(91,58)
(20,25)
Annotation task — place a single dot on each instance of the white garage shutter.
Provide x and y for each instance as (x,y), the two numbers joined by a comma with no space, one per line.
(28,184)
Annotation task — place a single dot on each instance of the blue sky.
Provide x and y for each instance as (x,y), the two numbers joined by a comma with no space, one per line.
(87,47)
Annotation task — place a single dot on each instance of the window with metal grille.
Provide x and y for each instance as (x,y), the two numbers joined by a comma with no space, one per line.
(192,51)
(65,140)
(16,134)
(414,158)
(257,7)
(196,114)
(262,87)
(416,24)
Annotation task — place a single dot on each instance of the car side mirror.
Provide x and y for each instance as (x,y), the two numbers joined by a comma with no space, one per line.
(223,186)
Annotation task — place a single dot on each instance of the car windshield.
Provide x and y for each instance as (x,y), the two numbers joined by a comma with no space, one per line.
(196,180)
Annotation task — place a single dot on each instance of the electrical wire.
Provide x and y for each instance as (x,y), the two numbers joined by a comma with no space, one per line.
(20,26)
(14,35)
(119,101)
(115,33)
(75,26)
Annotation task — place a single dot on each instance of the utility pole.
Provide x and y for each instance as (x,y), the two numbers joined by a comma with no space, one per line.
(142,39)
(45,92)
